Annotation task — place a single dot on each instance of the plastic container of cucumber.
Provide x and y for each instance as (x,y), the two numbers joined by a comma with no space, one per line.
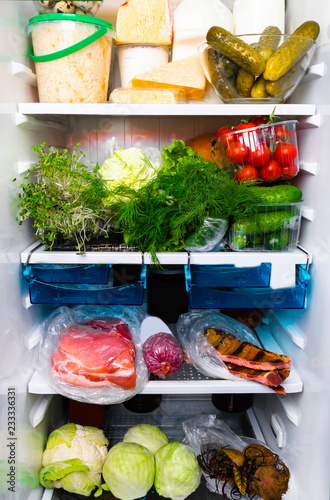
(274,227)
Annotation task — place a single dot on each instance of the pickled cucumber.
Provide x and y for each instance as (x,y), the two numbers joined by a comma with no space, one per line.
(222,72)
(236,49)
(268,42)
(291,50)
(258,90)
(244,83)
(284,84)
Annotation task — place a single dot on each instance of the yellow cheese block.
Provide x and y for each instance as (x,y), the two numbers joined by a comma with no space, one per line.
(147,96)
(186,74)
(144,21)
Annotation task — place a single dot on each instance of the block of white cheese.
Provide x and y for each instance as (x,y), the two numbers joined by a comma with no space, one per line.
(144,21)
(186,74)
(147,96)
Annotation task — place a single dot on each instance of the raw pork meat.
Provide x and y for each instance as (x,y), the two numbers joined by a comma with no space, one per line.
(97,354)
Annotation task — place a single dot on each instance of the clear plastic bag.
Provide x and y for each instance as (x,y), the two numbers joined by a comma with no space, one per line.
(153,154)
(59,363)
(209,237)
(199,350)
(207,432)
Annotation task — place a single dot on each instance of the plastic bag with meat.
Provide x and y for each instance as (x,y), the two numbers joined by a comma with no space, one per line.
(221,347)
(93,354)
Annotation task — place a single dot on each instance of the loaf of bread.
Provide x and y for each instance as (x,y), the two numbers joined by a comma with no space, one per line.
(144,21)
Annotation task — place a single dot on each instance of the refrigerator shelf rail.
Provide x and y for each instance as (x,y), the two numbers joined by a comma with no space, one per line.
(198,109)
(188,380)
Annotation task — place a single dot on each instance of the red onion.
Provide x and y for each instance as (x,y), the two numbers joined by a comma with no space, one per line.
(162,354)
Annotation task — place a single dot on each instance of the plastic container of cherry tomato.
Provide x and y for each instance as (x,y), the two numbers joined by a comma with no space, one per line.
(274,227)
(265,153)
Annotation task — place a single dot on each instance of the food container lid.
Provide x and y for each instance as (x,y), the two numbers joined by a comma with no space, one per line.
(72,17)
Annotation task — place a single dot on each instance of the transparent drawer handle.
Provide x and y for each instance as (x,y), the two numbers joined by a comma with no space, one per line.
(279,431)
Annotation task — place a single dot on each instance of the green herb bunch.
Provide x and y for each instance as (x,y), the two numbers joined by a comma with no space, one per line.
(64,198)
(161,216)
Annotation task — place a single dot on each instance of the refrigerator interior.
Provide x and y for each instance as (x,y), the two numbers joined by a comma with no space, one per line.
(296,425)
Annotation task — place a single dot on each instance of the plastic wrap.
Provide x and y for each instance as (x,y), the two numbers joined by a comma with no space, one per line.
(147,96)
(162,354)
(209,238)
(207,432)
(58,325)
(199,350)
(144,21)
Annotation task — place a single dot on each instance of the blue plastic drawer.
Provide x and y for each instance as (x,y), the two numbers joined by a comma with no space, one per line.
(252,298)
(69,273)
(231,276)
(61,294)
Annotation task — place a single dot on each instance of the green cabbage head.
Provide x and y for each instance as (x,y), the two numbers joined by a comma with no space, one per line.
(147,435)
(177,471)
(129,470)
(74,458)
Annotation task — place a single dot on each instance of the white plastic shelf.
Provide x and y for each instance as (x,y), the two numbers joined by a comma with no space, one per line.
(198,109)
(187,380)
(283,273)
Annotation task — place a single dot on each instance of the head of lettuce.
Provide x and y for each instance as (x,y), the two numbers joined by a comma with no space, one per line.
(177,471)
(129,470)
(128,167)
(74,458)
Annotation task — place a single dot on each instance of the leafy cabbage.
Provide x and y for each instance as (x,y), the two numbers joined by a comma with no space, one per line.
(129,470)
(177,471)
(129,167)
(147,435)
(74,458)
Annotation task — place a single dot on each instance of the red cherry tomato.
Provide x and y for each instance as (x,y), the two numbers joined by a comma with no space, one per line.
(290,171)
(260,120)
(285,154)
(242,127)
(248,173)
(260,156)
(225,136)
(247,134)
(281,133)
(271,172)
(237,152)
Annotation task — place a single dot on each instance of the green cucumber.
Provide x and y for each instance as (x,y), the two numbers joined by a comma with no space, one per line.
(265,222)
(284,193)
(277,241)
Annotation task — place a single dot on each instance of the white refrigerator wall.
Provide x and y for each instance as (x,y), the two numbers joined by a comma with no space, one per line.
(19,410)
(305,416)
